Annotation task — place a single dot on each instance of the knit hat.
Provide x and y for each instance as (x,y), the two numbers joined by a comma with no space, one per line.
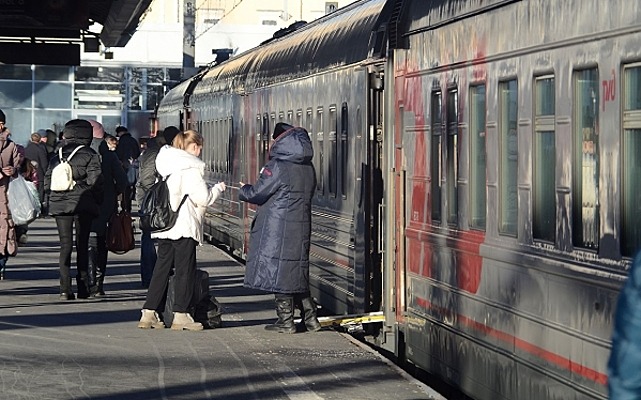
(280,128)
(3,118)
(77,129)
(170,133)
(98,130)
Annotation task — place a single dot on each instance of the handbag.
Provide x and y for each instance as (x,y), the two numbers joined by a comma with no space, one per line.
(24,203)
(120,233)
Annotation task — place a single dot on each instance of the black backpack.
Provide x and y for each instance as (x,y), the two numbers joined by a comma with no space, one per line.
(155,212)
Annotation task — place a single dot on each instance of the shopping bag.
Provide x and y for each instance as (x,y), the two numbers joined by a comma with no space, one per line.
(120,233)
(24,203)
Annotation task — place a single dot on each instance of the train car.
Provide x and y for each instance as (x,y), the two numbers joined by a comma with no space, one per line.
(478,176)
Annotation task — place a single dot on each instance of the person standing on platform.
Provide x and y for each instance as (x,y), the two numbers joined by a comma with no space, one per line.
(148,176)
(128,151)
(624,379)
(279,242)
(76,207)
(115,181)
(37,152)
(184,171)
(9,161)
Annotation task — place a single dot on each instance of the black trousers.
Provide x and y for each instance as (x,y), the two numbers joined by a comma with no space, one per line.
(181,254)
(65,224)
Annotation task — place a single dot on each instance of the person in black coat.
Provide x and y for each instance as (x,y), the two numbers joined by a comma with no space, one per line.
(128,151)
(115,181)
(78,206)
(279,242)
(147,177)
(36,151)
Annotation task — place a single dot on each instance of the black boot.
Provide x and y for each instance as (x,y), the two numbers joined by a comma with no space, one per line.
(309,313)
(285,312)
(82,282)
(65,289)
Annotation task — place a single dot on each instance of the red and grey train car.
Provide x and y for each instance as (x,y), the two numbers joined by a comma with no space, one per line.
(478,176)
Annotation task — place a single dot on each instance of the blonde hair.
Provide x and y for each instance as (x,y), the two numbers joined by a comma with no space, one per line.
(185,138)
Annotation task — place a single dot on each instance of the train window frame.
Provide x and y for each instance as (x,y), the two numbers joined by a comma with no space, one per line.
(344,165)
(581,105)
(478,157)
(319,153)
(508,129)
(630,162)
(436,142)
(452,154)
(544,159)
(332,153)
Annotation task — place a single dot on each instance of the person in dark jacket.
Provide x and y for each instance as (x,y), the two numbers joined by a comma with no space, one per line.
(279,242)
(115,181)
(624,381)
(147,177)
(78,206)
(128,151)
(37,152)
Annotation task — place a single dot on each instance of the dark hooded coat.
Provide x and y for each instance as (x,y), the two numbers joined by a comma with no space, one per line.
(87,195)
(279,243)
(115,181)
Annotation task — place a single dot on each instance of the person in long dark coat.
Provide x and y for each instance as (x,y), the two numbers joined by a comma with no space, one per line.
(78,206)
(37,152)
(279,242)
(115,181)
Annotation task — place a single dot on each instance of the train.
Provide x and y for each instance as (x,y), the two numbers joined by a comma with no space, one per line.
(478,170)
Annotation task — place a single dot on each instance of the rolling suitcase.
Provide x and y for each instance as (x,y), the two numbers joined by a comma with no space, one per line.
(201,294)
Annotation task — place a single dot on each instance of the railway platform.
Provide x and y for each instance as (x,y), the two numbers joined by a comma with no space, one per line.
(91,349)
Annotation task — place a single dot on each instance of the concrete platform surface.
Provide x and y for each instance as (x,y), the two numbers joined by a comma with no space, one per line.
(91,349)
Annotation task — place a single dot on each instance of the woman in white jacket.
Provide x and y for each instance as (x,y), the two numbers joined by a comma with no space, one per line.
(177,246)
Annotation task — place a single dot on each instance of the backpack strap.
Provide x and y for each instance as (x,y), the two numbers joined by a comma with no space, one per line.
(70,155)
(184,197)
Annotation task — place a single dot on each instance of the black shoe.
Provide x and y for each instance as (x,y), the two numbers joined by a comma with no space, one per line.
(83,295)
(67,296)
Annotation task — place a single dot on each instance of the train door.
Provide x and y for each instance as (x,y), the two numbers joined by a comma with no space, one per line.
(373,185)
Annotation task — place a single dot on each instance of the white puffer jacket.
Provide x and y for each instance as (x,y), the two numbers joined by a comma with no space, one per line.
(186,177)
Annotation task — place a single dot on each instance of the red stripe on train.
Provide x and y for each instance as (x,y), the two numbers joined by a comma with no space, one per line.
(546,355)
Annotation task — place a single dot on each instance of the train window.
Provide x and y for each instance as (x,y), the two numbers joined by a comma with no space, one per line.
(631,162)
(344,164)
(451,143)
(435,153)
(265,135)
(299,117)
(332,154)
(585,182)
(478,158)
(318,154)
(544,186)
(508,157)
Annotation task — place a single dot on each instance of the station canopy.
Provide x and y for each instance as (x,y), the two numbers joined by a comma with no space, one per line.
(49,32)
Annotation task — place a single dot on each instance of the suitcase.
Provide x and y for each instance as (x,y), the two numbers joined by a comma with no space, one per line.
(201,295)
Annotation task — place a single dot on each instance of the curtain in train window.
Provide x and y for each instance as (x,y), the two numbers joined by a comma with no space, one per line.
(585,185)
(318,151)
(478,158)
(631,163)
(544,187)
(435,156)
(452,157)
(344,149)
(508,157)
(332,156)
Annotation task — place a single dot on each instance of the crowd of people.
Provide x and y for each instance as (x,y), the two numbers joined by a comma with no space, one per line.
(107,172)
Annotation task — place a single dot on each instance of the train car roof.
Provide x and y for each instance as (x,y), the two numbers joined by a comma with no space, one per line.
(340,38)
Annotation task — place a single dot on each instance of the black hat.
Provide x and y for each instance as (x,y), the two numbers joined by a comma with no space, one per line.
(3,118)
(78,129)
(170,133)
(280,128)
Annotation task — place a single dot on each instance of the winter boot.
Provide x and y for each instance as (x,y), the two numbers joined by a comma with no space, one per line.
(184,321)
(150,320)
(309,314)
(65,289)
(285,312)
